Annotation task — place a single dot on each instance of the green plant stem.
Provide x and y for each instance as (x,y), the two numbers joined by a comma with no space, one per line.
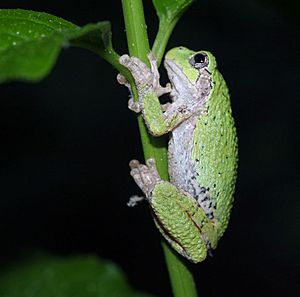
(182,281)
(165,30)
(138,46)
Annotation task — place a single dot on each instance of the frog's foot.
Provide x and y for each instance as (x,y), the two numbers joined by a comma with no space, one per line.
(141,73)
(144,77)
(132,105)
(159,90)
(121,79)
(146,176)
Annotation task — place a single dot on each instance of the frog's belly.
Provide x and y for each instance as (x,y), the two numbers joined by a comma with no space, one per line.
(181,166)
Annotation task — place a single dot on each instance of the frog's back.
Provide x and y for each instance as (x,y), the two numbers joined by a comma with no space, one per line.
(215,151)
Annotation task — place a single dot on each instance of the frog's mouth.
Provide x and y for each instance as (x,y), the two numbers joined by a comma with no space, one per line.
(174,71)
(176,76)
(179,79)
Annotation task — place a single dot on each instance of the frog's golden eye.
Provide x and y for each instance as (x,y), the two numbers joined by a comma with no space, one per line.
(199,60)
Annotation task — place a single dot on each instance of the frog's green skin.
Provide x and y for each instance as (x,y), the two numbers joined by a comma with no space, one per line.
(192,211)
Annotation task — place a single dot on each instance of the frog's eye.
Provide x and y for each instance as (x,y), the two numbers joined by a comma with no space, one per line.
(199,60)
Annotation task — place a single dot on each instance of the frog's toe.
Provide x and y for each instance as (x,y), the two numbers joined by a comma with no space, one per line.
(134,106)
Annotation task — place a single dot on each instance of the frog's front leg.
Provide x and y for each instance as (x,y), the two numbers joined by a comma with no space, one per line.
(159,119)
(146,79)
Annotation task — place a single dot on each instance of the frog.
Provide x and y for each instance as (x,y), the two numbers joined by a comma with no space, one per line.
(192,210)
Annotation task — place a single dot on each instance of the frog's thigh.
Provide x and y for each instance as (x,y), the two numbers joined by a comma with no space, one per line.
(173,212)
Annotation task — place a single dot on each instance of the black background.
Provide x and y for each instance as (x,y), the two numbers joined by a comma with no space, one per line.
(66,143)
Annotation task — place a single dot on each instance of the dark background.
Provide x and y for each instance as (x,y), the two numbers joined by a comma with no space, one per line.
(66,143)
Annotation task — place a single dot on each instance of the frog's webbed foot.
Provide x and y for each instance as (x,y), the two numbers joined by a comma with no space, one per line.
(132,105)
(145,78)
(121,79)
(146,176)
(159,90)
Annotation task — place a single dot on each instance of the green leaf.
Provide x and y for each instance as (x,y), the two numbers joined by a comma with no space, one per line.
(79,276)
(171,9)
(30,42)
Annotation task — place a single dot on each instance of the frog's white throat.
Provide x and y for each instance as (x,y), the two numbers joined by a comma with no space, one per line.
(182,87)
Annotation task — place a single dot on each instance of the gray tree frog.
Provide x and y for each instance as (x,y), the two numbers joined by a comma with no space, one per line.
(192,210)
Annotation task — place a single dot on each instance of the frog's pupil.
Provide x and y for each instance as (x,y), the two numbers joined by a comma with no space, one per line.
(199,58)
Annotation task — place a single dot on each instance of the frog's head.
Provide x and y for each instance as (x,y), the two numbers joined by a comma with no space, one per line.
(182,63)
